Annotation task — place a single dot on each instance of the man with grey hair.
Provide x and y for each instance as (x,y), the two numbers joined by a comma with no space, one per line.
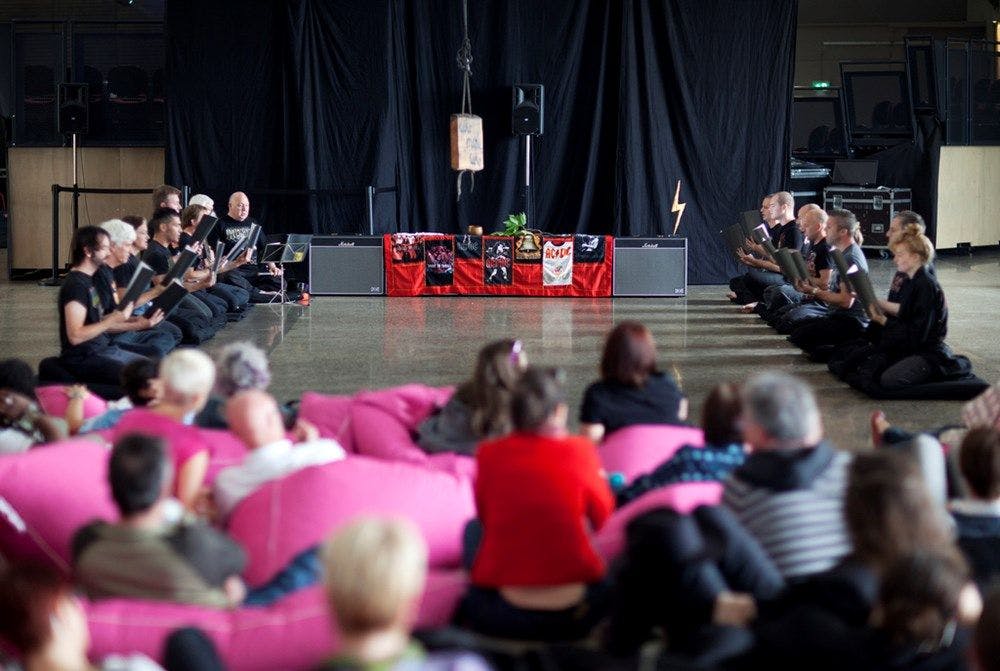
(789,492)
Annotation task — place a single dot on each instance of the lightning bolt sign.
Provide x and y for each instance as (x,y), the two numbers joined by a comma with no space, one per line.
(678,207)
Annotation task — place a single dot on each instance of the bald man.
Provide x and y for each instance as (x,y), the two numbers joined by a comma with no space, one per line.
(254,417)
(815,252)
(233,227)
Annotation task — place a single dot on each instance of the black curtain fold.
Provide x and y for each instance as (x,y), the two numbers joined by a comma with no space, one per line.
(340,94)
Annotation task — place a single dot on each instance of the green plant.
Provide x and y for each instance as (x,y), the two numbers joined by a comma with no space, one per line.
(514,224)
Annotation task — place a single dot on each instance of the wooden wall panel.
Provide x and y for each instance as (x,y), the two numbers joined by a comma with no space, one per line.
(968,197)
(33,171)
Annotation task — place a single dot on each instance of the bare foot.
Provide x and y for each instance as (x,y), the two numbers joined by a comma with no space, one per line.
(731,295)
(879,425)
(748,308)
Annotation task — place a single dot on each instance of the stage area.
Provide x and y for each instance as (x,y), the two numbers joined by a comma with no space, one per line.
(342,344)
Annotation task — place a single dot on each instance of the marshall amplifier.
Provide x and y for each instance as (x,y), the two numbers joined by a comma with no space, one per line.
(650,267)
(346,265)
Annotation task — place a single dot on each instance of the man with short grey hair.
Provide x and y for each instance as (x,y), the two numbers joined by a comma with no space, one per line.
(789,493)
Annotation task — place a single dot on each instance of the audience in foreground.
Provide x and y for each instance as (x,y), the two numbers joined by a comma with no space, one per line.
(375,572)
(539,493)
(154,551)
(480,407)
(789,492)
(632,388)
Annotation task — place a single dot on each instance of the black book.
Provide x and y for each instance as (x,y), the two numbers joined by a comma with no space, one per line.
(863,289)
(783,257)
(220,248)
(138,284)
(750,221)
(763,238)
(184,261)
(169,299)
(205,227)
(840,262)
(735,239)
(242,244)
(254,237)
(800,264)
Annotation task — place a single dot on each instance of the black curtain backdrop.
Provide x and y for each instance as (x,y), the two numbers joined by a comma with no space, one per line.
(339,94)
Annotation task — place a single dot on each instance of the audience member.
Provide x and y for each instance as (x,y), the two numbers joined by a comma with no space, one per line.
(84,331)
(239,366)
(186,376)
(255,419)
(44,621)
(22,424)
(986,638)
(632,389)
(154,552)
(789,492)
(539,492)
(722,452)
(480,407)
(977,518)
(375,572)
(142,389)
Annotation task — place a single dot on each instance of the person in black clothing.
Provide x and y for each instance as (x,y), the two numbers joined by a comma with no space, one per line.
(233,227)
(780,217)
(632,389)
(816,254)
(844,317)
(84,329)
(236,297)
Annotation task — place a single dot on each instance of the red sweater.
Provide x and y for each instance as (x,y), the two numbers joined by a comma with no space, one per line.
(535,496)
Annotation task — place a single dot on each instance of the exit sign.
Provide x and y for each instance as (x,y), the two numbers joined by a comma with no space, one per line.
(820,85)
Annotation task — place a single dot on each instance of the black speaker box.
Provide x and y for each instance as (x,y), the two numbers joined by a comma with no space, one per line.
(346,265)
(73,110)
(527,109)
(650,267)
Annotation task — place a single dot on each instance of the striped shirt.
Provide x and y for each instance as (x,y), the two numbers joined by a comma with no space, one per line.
(802,528)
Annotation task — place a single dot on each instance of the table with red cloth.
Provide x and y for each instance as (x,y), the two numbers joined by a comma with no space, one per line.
(433,264)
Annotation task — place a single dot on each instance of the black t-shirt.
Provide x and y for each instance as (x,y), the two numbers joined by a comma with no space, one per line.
(231,231)
(617,406)
(123,273)
(789,236)
(104,282)
(157,257)
(78,287)
(817,256)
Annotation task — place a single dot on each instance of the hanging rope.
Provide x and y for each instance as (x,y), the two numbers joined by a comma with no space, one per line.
(464,59)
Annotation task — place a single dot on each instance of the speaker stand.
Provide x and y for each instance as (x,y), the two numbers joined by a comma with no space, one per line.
(526,183)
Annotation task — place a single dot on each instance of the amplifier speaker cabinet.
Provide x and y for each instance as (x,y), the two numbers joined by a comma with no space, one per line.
(650,267)
(346,265)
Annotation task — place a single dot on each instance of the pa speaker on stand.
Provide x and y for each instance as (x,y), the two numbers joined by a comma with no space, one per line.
(74,116)
(527,119)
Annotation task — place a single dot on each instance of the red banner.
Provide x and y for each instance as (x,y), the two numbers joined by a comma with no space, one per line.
(435,265)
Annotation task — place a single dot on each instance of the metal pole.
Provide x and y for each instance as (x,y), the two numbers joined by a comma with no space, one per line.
(76,190)
(54,280)
(371,210)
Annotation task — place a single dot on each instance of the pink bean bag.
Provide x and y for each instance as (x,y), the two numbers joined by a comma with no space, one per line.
(295,633)
(639,449)
(288,516)
(384,424)
(330,414)
(46,494)
(224,450)
(684,497)
(52,400)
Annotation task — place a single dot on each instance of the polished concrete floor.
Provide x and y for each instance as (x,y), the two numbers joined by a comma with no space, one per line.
(343,344)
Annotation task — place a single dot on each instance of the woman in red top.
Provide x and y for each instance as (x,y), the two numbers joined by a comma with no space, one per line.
(539,494)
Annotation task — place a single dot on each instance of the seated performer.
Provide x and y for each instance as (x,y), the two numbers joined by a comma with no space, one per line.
(816,254)
(780,217)
(632,389)
(84,330)
(911,348)
(233,227)
(844,317)
(235,297)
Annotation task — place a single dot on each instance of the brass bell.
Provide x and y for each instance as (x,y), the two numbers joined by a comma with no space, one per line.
(528,242)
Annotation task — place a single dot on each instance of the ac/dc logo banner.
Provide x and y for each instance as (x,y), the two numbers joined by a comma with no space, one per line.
(468,247)
(440,262)
(557,263)
(498,260)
